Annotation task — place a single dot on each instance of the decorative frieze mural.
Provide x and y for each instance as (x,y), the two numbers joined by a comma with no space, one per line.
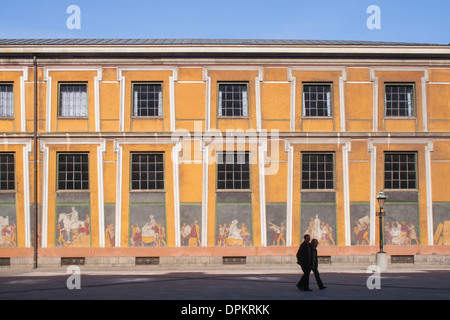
(401,222)
(147,219)
(8,221)
(276,224)
(318,217)
(234,219)
(441,223)
(191,228)
(73,219)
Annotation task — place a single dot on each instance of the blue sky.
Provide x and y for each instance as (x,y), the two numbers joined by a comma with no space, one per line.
(426,21)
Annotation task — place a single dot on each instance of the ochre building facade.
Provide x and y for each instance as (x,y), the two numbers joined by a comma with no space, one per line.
(184,151)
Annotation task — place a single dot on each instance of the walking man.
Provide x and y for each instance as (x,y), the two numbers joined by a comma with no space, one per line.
(315,263)
(304,259)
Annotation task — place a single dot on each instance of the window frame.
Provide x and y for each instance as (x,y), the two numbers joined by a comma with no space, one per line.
(330,84)
(161,84)
(73,180)
(219,107)
(413,102)
(65,83)
(226,189)
(7,172)
(416,186)
(9,83)
(163,189)
(317,189)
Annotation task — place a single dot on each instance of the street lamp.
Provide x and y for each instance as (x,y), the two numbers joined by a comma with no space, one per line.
(381,199)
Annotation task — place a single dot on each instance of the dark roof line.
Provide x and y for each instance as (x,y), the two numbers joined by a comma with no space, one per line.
(187,42)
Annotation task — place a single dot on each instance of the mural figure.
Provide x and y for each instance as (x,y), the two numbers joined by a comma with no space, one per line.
(223,231)
(397,233)
(152,234)
(8,238)
(190,234)
(319,230)
(71,231)
(361,230)
(279,233)
(233,235)
(442,234)
(110,236)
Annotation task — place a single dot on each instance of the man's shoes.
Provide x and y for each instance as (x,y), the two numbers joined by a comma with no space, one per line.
(321,288)
(302,288)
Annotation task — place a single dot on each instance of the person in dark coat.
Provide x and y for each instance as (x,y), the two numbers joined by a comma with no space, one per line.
(315,263)
(304,260)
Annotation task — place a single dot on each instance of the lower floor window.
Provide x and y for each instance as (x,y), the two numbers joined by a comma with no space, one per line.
(73,171)
(317,171)
(400,171)
(7,171)
(233,170)
(147,171)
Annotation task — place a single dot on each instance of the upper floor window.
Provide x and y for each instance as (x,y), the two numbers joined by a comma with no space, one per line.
(399,100)
(73,171)
(73,101)
(317,100)
(400,171)
(6,100)
(317,171)
(147,171)
(7,171)
(147,99)
(233,100)
(233,170)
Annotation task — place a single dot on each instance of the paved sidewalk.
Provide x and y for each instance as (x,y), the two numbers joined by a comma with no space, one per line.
(224,283)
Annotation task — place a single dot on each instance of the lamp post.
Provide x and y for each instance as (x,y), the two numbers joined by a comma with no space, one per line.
(381,255)
(381,199)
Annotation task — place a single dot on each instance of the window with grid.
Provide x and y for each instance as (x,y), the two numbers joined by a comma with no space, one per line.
(233,100)
(317,171)
(400,171)
(147,171)
(399,100)
(317,100)
(73,171)
(147,99)
(6,100)
(73,100)
(233,170)
(7,171)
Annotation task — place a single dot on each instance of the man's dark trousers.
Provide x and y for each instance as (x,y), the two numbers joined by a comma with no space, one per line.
(304,280)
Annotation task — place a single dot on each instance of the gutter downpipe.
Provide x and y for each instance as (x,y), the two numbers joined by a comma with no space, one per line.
(36,148)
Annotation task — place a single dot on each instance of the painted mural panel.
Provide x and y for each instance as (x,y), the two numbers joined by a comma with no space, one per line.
(441,223)
(147,219)
(234,219)
(401,224)
(360,220)
(8,224)
(319,221)
(233,226)
(318,217)
(73,219)
(110,225)
(276,224)
(73,227)
(191,227)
